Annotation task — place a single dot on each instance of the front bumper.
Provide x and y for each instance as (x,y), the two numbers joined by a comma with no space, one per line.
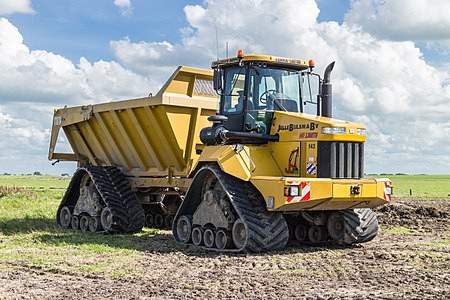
(322,193)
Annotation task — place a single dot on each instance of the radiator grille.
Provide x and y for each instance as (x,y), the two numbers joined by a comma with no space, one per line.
(340,160)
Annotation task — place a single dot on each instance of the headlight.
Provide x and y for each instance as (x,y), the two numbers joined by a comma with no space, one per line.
(361,131)
(389,190)
(291,191)
(334,130)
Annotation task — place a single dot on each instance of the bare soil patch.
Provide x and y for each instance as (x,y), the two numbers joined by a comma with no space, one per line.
(409,259)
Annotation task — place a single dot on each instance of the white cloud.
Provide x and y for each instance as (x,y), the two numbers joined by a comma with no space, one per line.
(126,9)
(32,83)
(8,7)
(25,132)
(21,137)
(385,84)
(42,76)
(401,20)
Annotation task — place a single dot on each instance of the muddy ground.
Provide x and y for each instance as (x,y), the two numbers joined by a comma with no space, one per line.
(398,264)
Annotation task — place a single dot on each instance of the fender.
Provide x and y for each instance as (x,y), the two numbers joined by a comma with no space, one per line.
(241,161)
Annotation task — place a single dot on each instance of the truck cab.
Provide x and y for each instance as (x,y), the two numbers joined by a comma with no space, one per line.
(253,87)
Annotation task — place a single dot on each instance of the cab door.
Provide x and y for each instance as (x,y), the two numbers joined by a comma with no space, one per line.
(234,99)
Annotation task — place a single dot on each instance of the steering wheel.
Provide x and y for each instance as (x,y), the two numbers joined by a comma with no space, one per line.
(269,95)
(265,95)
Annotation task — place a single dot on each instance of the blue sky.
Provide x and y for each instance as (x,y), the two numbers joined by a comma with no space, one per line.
(392,64)
(85,27)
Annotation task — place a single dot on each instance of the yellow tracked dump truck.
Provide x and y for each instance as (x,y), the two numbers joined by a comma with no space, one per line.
(247,170)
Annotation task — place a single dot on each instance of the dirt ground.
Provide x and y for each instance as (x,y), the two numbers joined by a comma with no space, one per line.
(398,264)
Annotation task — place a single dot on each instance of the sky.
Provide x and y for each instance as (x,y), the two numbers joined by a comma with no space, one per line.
(392,70)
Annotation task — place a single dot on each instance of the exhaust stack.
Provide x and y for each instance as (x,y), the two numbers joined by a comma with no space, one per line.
(327,90)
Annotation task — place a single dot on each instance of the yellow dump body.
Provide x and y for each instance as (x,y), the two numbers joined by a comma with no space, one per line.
(156,136)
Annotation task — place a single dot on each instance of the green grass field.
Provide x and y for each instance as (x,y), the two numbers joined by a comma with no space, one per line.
(35,182)
(30,237)
(421,186)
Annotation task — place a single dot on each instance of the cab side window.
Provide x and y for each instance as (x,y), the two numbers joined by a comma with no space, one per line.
(234,91)
(258,119)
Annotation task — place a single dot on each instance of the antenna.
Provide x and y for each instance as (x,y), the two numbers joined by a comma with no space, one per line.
(227,51)
(217,43)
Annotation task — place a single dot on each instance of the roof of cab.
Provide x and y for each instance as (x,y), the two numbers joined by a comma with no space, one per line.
(272,60)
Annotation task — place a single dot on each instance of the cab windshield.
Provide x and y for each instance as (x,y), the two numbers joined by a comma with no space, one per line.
(261,90)
(274,89)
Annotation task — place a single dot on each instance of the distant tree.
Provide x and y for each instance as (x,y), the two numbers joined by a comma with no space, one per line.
(64,175)
(6,174)
(37,173)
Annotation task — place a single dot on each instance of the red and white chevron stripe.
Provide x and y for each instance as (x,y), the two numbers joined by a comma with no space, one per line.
(387,191)
(305,193)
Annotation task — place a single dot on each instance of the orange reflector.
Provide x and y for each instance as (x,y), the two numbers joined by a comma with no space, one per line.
(311,63)
(286,191)
(240,53)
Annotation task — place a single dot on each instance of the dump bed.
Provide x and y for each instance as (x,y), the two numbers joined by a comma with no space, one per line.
(154,136)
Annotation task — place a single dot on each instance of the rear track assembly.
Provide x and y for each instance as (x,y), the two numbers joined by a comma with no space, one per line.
(99,199)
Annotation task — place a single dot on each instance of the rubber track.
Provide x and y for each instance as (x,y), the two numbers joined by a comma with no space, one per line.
(268,231)
(136,219)
(361,225)
(127,212)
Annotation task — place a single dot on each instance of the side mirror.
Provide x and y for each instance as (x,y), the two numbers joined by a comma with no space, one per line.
(218,79)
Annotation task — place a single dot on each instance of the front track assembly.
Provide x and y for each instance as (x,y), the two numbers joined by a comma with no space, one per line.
(222,212)
(99,199)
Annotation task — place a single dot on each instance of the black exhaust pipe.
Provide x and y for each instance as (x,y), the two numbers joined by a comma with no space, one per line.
(327,90)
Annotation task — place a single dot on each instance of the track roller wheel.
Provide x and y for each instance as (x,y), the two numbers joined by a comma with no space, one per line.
(184,228)
(84,223)
(94,224)
(361,225)
(159,220)
(336,226)
(223,239)
(301,233)
(208,238)
(317,234)
(240,234)
(168,221)
(106,219)
(291,229)
(75,222)
(197,236)
(149,220)
(65,217)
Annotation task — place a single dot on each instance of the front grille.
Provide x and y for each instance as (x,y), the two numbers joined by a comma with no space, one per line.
(340,160)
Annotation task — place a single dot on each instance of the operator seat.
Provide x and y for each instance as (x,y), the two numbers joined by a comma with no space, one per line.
(290,105)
